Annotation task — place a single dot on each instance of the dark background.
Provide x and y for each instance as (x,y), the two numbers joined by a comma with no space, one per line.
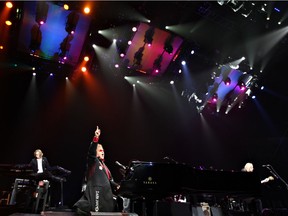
(152,120)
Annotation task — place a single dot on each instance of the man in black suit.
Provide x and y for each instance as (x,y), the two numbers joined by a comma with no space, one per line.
(39,164)
(98,193)
(42,168)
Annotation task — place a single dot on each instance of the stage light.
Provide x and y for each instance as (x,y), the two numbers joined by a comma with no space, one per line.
(34,74)
(215,97)
(1,47)
(86,58)
(86,10)
(148,37)
(66,7)
(171,82)
(227,81)
(8,22)
(242,86)
(116,65)
(157,63)
(134,29)
(122,55)
(65,45)
(183,62)
(83,69)
(72,21)
(9,4)
(129,42)
(168,46)
(41,12)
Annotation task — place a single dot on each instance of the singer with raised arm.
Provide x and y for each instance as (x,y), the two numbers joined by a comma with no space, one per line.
(99,184)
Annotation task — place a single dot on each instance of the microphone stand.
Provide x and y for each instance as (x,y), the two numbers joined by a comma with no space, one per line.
(277,176)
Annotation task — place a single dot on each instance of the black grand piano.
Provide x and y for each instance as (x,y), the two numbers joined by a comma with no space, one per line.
(156,185)
(155,180)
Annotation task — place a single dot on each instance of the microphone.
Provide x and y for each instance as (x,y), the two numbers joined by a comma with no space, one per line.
(120,165)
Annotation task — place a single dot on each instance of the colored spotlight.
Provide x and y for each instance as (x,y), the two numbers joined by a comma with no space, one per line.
(8,22)
(9,4)
(83,69)
(227,81)
(242,86)
(66,7)
(86,58)
(215,97)
(86,10)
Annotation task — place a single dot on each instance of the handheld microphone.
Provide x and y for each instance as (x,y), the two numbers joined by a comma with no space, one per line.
(120,165)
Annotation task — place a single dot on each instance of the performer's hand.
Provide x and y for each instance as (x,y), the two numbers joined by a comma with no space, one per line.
(97,132)
(83,187)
